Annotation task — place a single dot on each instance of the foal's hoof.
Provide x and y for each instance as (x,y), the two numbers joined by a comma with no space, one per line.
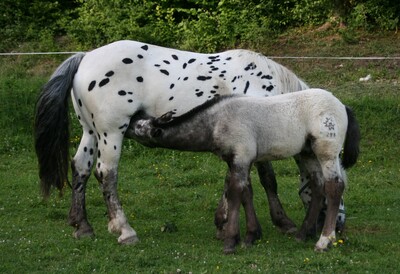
(220,235)
(323,244)
(128,241)
(230,246)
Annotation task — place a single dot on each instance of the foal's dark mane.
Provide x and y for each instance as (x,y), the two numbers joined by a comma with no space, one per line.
(193,112)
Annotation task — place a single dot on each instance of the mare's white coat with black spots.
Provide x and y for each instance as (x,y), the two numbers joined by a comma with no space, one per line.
(111,84)
(311,125)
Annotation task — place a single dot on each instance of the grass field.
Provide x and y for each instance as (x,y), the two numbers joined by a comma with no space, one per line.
(161,189)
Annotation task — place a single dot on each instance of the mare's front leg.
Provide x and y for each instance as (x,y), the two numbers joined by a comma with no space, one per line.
(308,227)
(109,150)
(81,168)
(278,215)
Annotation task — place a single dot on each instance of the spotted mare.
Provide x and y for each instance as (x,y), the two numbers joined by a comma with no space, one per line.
(112,83)
(311,125)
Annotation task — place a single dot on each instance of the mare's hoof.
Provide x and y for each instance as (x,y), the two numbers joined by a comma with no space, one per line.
(83,232)
(129,241)
(287,227)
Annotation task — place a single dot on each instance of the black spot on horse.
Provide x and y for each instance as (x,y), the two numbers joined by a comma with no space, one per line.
(184,65)
(269,77)
(216,87)
(199,94)
(185,79)
(167,62)
(157,65)
(110,73)
(79,117)
(139,79)
(234,79)
(246,87)
(92,85)
(213,91)
(130,100)
(164,71)
(89,164)
(203,78)
(90,132)
(145,47)
(270,87)
(104,82)
(85,149)
(171,86)
(105,141)
(127,61)
(91,151)
(122,92)
(175,57)
(80,102)
(191,60)
(140,56)
(171,98)
(228,58)
(213,57)
(250,66)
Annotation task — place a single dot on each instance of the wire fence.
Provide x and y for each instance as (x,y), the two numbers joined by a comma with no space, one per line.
(272,57)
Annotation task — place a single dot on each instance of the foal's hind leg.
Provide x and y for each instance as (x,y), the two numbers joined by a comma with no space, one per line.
(81,167)
(109,150)
(278,215)
(334,188)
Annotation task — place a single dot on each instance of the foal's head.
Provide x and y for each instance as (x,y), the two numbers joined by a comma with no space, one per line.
(147,129)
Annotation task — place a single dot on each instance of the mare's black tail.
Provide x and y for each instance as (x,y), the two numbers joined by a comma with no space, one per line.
(351,148)
(51,129)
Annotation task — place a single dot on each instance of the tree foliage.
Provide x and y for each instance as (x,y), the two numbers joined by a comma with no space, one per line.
(192,24)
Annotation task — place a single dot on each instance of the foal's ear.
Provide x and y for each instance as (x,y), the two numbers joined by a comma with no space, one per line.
(165,118)
(155,132)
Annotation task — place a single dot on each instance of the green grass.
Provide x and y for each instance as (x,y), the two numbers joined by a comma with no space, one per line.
(159,187)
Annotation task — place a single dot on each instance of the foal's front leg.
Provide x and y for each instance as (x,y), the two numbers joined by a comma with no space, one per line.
(237,182)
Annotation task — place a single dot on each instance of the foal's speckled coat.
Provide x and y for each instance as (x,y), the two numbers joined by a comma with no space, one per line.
(311,125)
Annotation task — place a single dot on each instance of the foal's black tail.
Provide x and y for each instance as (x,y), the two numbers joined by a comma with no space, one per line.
(51,129)
(352,143)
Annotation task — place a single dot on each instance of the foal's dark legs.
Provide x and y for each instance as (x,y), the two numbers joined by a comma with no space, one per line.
(238,192)
(253,227)
(278,215)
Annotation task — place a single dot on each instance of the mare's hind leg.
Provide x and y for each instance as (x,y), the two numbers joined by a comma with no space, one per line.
(278,215)
(109,151)
(81,167)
